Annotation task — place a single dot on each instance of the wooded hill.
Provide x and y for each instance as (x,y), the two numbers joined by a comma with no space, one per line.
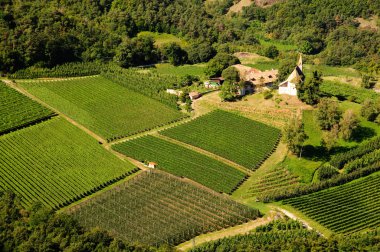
(46,33)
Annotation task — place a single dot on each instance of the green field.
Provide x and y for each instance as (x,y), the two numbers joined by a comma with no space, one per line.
(161,39)
(181,161)
(156,208)
(349,208)
(17,110)
(108,109)
(195,70)
(231,136)
(56,164)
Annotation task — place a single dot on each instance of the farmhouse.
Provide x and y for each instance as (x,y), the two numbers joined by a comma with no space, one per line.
(289,87)
(255,79)
(194,95)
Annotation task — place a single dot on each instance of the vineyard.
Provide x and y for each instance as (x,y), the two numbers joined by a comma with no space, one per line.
(148,83)
(279,235)
(17,110)
(277,179)
(184,162)
(233,137)
(56,164)
(156,208)
(66,70)
(345,209)
(102,106)
(347,92)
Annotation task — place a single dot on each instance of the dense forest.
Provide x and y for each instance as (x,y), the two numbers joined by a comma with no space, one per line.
(48,33)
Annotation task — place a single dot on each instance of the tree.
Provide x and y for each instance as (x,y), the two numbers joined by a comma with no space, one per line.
(220,62)
(366,81)
(271,52)
(370,109)
(328,113)
(135,52)
(308,91)
(348,124)
(200,52)
(230,86)
(330,138)
(228,91)
(174,53)
(294,135)
(231,75)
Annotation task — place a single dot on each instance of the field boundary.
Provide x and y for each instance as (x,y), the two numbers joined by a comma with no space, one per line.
(241,229)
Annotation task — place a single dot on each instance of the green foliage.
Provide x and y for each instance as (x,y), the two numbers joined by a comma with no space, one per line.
(150,84)
(294,135)
(38,229)
(157,208)
(56,163)
(124,112)
(278,178)
(328,113)
(344,209)
(228,91)
(326,172)
(271,52)
(66,70)
(220,62)
(346,91)
(217,131)
(330,138)
(308,91)
(200,52)
(299,190)
(348,124)
(136,52)
(339,160)
(370,109)
(267,94)
(174,53)
(231,75)
(17,110)
(181,161)
(365,160)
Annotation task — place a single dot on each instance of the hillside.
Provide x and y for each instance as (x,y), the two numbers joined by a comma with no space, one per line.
(187,125)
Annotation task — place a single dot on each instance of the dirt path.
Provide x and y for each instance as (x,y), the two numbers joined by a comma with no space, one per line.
(228,232)
(26,93)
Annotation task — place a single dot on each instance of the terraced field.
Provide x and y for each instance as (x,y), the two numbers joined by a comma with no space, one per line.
(181,161)
(349,208)
(17,110)
(156,208)
(231,136)
(110,110)
(56,164)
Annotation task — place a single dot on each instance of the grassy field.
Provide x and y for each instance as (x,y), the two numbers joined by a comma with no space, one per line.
(181,161)
(156,208)
(195,70)
(344,209)
(228,135)
(102,106)
(56,163)
(17,110)
(164,38)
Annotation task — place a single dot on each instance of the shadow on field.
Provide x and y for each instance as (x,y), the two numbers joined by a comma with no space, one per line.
(362,133)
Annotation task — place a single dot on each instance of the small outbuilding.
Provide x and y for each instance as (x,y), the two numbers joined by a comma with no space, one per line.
(152,165)
(194,95)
